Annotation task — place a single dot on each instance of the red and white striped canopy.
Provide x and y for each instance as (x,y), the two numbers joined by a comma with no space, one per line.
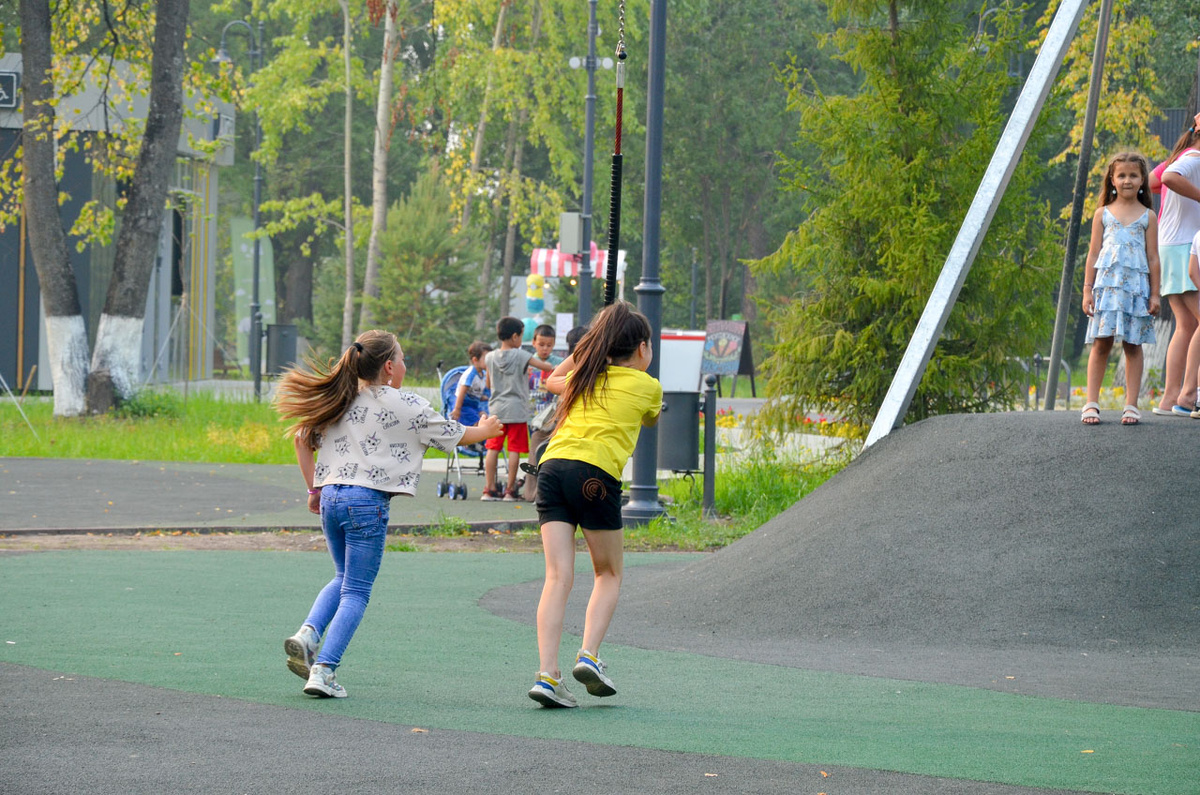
(552,263)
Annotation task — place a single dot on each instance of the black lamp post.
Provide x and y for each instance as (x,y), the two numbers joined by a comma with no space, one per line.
(256,330)
(643,504)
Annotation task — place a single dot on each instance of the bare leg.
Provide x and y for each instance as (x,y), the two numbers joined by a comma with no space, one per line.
(490,463)
(1097,364)
(558,541)
(1187,391)
(1182,307)
(1133,373)
(514,464)
(608,562)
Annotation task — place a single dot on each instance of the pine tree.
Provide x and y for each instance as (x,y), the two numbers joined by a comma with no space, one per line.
(886,180)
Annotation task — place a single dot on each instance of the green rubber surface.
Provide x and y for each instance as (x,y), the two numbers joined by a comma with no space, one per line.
(427,655)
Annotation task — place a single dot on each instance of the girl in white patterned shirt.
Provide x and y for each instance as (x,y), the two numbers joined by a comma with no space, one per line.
(369,439)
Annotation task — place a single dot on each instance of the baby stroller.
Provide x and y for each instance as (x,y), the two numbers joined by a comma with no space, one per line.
(456,489)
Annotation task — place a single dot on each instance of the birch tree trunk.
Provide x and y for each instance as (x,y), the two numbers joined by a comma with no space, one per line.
(383,135)
(510,237)
(490,253)
(514,182)
(116,361)
(477,150)
(66,332)
(348,206)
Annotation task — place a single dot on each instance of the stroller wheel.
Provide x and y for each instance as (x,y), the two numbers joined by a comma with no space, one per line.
(442,487)
(452,491)
(462,491)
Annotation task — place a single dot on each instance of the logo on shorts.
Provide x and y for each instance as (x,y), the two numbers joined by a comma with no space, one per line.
(593,489)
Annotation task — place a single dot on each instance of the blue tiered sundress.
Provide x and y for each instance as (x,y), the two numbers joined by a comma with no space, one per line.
(1122,285)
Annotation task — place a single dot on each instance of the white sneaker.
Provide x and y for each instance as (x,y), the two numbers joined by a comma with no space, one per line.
(301,650)
(589,670)
(321,682)
(550,692)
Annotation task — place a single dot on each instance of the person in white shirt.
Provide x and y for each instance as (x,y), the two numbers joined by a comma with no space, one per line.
(369,439)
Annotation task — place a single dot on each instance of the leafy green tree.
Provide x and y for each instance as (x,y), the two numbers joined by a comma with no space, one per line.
(510,119)
(896,168)
(1175,52)
(728,118)
(126,53)
(427,286)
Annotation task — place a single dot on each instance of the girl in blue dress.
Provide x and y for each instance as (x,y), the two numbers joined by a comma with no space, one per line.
(1121,281)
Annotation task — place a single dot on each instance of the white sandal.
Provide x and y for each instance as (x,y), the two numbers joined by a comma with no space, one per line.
(1091,411)
(1131,416)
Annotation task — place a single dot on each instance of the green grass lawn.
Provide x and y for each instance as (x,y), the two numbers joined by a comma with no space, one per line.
(163,426)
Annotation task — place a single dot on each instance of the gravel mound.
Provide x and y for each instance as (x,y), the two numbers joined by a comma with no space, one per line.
(996,531)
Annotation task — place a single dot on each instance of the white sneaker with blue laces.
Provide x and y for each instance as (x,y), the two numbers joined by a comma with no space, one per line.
(589,670)
(551,692)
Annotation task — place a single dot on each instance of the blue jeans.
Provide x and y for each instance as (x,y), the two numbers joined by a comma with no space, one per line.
(354,519)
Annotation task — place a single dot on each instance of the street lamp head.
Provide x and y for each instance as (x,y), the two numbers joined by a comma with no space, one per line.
(222,56)
(607,63)
(575,62)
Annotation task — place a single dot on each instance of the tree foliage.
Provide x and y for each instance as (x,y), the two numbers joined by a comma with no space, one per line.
(896,167)
(427,289)
(1127,87)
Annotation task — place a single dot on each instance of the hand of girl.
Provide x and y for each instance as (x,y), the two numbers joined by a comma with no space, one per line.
(1153,305)
(490,424)
(314,502)
(1089,304)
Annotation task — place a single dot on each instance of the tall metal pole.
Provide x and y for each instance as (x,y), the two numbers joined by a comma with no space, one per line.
(1081,185)
(643,492)
(255,307)
(585,264)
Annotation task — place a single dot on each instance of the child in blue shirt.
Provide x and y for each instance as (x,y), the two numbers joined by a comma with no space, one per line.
(471,395)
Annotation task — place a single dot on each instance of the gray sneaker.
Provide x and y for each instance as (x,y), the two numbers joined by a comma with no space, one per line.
(301,650)
(322,683)
(589,670)
(550,692)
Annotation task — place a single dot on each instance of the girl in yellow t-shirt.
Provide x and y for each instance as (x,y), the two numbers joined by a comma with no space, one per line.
(606,398)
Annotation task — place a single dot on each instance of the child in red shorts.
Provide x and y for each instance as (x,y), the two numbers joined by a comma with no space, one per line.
(510,404)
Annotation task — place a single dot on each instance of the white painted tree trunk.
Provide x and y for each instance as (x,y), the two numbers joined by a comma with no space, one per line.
(383,135)
(119,351)
(66,333)
(67,345)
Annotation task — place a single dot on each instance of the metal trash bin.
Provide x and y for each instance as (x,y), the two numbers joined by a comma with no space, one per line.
(679,432)
(281,347)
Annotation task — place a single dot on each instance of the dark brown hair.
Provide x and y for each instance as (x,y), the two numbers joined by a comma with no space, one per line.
(614,336)
(318,396)
(478,349)
(1110,192)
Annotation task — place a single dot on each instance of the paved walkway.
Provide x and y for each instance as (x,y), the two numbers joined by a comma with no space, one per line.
(46,495)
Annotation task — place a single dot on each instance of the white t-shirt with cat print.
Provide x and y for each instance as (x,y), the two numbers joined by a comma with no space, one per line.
(380,441)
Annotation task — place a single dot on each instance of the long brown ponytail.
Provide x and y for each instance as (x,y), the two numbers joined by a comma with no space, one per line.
(319,395)
(614,336)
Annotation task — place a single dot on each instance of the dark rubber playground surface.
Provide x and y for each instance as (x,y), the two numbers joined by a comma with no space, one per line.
(986,604)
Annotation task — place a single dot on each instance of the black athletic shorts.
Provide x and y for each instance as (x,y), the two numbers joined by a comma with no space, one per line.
(578,493)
